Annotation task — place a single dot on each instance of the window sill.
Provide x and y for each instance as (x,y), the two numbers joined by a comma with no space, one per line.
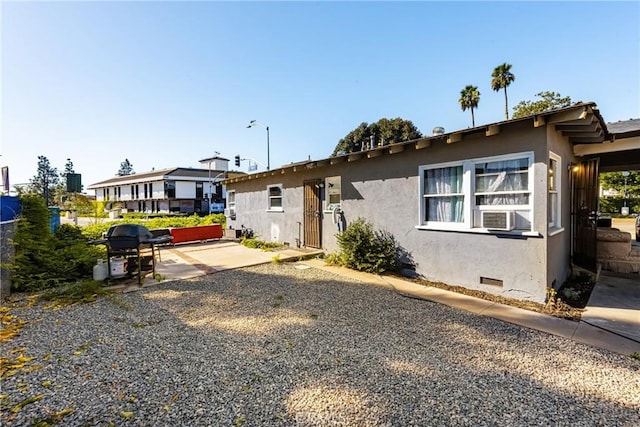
(555,230)
(515,233)
(275,210)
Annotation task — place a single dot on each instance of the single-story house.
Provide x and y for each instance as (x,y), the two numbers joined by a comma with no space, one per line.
(504,208)
(178,189)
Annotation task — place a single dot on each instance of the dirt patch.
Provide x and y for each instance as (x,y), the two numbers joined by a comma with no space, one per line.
(567,303)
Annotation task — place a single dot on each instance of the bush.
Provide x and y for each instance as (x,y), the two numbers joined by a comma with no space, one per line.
(32,243)
(363,249)
(252,243)
(94,231)
(613,205)
(43,260)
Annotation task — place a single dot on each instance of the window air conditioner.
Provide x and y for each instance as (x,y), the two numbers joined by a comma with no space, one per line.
(497,220)
(227,212)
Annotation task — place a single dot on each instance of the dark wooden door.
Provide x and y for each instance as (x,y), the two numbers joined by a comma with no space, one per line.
(584,213)
(312,214)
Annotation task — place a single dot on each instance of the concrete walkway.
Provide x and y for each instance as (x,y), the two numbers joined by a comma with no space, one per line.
(614,304)
(610,321)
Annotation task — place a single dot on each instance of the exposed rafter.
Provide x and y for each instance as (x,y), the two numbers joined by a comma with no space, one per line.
(454,137)
(396,148)
(423,143)
(492,130)
(539,121)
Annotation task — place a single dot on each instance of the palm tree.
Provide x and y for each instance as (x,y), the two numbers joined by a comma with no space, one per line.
(500,79)
(469,98)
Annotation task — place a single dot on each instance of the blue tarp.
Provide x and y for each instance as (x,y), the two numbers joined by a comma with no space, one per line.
(10,207)
(54,218)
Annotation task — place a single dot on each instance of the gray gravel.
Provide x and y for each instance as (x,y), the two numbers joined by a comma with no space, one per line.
(278,345)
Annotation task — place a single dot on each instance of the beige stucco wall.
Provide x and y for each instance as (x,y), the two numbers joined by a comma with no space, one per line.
(385,191)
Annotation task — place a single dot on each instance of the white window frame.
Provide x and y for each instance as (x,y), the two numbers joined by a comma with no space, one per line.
(231,202)
(469,200)
(271,208)
(555,212)
(465,224)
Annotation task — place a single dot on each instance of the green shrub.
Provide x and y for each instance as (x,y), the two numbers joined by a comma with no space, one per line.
(363,249)
(613,205)
(32,243)
(254,243)
(94,231)
(43,260)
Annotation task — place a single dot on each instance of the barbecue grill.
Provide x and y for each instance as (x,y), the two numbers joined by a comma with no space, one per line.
(134,243)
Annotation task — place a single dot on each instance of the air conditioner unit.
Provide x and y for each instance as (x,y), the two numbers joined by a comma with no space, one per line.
(227,212)
(497,220)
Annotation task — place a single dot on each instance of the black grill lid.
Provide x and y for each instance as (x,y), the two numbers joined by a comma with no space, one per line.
(129,230)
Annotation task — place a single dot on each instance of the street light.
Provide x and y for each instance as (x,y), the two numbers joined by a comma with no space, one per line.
(208,162)
(625,174)
(253,123)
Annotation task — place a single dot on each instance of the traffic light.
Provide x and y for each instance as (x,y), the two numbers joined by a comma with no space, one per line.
(238,160)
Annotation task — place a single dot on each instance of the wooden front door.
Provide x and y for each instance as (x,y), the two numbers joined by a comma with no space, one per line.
(312,214)
(584,213)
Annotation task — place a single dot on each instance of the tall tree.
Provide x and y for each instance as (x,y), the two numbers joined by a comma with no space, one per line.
(68,168)
(383,132)
(45,181)
(500,79)
(469,99)
(548,101)
(616,181)
(126,168)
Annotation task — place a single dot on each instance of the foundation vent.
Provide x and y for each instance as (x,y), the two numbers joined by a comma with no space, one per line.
(490,281)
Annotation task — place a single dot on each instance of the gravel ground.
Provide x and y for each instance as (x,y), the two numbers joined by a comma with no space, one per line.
(279,345)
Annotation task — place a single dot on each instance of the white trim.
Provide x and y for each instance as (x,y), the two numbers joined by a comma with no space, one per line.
(558,185)
(278,208)
(469,194)
(553,231)
(478,230)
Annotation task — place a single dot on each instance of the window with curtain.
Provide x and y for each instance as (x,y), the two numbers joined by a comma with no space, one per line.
(500,183)
(455,194)
(443,194)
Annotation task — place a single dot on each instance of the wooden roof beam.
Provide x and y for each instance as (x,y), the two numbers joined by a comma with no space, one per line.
(423,143)
(354,156)
(539,121)
(577,116)
(454,137)
(590,140)
(492,130)
(586,127)
(396,148)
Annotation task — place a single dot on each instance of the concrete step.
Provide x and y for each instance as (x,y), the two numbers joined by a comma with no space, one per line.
(627,265)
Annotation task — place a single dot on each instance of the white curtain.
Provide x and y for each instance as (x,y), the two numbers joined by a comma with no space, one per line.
(510,175)
(445,182)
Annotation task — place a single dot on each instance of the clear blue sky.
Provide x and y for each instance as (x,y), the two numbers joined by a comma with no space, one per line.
(168,83)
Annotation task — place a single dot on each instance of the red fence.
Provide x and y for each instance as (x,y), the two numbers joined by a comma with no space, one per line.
(195,234)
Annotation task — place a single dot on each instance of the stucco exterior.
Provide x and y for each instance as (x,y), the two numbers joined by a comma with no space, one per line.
(384,187)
